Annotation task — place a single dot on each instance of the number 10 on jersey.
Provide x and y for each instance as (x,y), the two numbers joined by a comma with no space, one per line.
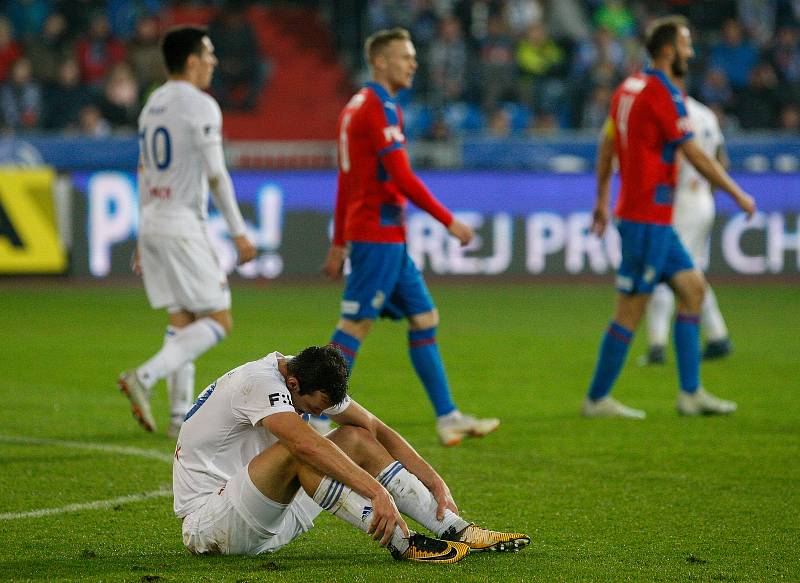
(155,148)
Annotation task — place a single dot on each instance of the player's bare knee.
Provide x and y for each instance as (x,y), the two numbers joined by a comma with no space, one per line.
(424,321)
(356,328)
(356,442)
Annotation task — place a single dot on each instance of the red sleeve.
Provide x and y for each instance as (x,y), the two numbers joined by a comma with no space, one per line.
(670,112)
(340,213)
(396,163)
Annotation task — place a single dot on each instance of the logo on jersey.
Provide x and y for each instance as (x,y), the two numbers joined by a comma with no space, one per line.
(280,398)
(684,125)
(393,134)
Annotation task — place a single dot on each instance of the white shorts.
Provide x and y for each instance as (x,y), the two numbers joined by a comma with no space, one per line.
(240,520)
(183,273)
(692,219)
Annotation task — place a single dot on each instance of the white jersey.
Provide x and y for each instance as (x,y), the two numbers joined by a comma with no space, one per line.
(709,137)
(176,124)
(222,433)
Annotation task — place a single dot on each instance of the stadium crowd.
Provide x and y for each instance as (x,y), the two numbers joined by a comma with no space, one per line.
(496,67)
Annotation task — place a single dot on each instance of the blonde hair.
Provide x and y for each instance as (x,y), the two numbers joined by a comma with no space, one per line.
(379,40)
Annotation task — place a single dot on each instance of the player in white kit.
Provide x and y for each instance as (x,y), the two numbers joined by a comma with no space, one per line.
(180,159)
(249,475)
(693,218)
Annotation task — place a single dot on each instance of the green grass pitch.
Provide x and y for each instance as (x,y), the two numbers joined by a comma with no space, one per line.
(666,499)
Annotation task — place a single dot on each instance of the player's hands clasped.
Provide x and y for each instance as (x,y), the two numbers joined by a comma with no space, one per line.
(385,517)
(245,249)
(461,231)
(334,262)
(599,220)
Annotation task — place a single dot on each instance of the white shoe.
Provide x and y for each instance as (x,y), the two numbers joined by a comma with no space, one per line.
(701,402)
(321,426)
(609,407)
(454,427)
(139,397)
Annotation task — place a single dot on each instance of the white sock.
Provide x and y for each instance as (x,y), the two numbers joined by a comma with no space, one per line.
(352,507)
(713,322)
(415,500)
(180,383)
(659,315)
(187,344)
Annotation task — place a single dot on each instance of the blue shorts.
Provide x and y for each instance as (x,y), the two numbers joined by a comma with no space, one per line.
(384,282)
(651,254)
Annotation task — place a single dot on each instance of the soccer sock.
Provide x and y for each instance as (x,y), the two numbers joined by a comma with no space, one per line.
(427,361)
(187,344)
(713,322)
(180,383)
(350,506)
(348,345)
(415,500)
(687,351)
(613,351)
(659,314)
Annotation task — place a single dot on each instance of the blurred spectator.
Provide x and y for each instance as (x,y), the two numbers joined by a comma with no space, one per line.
(786,55)
(496,63)
(241,70)
(601,48)
(522,14)
(78,14)
(715,88)
(448,63)
(790,118)
(51,49)
(125,15)
(758,19)
(99,52)
(761,101)
(65,98)
(10,51)
(596,108)
(27,17)
(499,125)
(21,98)
(567,21)
(616,17)
(727,123)
(734,55)
(144,54)
(120,100)
(540,62)
(92,123)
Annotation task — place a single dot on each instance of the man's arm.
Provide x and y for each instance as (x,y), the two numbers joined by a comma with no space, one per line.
(717,176)
(334,262)
(326,458)
(396,163)
(219,181)
(604,170)
(401,451)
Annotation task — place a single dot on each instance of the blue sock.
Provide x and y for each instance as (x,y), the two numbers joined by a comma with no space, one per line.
(687,350)
(347,345)
(613,351)
(427,361)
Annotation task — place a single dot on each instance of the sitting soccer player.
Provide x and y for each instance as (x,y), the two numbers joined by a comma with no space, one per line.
(249,475)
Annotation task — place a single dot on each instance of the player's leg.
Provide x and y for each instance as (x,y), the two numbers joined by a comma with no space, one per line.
(277,475)
(718,342)
(180,383)
(182,275)
(412,299)
(659,314)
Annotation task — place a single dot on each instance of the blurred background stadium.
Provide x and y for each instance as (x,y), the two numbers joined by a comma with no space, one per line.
(504,116)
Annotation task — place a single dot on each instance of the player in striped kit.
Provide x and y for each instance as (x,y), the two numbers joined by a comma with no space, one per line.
(180,160)
(693,218)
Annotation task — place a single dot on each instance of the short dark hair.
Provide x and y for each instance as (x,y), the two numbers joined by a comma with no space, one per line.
(320,368)
(381,39)
(179,43)
(663,31)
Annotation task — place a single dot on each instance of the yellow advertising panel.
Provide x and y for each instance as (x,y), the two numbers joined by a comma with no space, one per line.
(29,241)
